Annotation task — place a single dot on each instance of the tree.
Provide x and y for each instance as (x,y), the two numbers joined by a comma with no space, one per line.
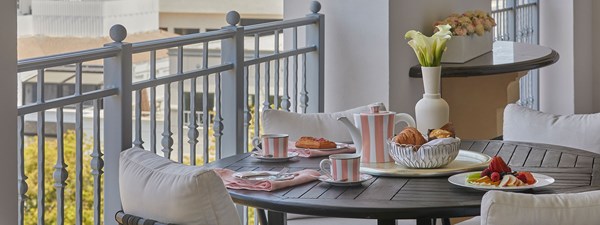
(31,166)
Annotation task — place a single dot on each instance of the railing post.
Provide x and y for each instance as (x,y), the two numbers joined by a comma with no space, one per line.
(117,119)
(315,68)
(232,51)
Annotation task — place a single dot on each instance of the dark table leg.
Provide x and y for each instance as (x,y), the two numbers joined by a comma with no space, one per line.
(276,218)
(425,221)
(446,221)
(386,222)
(262,217)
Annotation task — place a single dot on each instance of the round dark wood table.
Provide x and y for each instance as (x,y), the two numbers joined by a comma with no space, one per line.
(389,198)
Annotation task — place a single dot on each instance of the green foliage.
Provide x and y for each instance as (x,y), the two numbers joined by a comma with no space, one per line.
(51,150)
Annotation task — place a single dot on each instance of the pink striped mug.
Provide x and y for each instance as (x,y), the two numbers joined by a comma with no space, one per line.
(342,167)
(273,145)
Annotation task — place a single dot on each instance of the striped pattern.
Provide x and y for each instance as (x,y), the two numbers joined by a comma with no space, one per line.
(276,146)
(375,130)
(345,169)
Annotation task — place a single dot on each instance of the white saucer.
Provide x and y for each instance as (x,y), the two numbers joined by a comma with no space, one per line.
(363,178)
(272,159)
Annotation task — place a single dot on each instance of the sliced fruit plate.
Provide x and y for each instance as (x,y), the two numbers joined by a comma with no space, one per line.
(461,180)
(499,176)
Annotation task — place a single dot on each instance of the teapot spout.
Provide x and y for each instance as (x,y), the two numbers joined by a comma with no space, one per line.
(354,132)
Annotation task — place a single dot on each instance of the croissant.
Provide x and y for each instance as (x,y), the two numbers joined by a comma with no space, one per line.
(410,136)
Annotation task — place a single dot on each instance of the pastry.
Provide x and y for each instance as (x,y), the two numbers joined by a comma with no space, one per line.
(439,133)
(410,136)
(444,132)
(315,143)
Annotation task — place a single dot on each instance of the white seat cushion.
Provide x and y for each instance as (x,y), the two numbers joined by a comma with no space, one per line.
(575,131)
(505,208)
(323,125)
(157,188)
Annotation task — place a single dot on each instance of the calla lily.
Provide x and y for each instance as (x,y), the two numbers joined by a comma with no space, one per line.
(429,50)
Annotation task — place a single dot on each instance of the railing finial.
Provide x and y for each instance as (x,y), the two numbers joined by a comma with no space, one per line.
(118,33)
(315,6)
(233,18)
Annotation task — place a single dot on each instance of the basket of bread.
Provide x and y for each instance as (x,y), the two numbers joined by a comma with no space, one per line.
(412,149)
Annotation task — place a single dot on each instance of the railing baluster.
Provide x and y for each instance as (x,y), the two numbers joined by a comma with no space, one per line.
(97,163)
(218,125)
(256,87)
(153,102)
(285,100)
(205,113)
(267,102)
(22,185)
(180,105)
(78,149)
(167,140)
(295,71)
(41,122)
(247,115)
(193,127)
(303,92)
(60,169)
(276,94)
(138,120)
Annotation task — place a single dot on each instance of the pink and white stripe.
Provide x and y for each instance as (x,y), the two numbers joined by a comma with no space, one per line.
(275,145)
(375,130)
(342,167)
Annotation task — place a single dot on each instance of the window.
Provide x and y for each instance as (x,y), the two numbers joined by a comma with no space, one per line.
(517,20)
(184,31)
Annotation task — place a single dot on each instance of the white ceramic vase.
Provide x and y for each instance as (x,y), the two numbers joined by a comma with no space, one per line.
(431,111)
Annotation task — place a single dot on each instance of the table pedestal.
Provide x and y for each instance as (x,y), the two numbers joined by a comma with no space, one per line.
(477,103)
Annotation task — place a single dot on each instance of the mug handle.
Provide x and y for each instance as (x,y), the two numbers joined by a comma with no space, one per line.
(408,119)
(255,142)
(325,165)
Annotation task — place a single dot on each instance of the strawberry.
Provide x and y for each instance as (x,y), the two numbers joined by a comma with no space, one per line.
(522,177)
(498,165)
(486,172)
(495,176)
(529,177)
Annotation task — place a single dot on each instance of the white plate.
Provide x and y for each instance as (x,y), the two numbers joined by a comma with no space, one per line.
(461,180)
(465,161)
(263,175)
(363,178)
(339,146)
(272,159)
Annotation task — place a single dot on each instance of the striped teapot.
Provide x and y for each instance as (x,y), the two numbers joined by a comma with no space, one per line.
(372,130)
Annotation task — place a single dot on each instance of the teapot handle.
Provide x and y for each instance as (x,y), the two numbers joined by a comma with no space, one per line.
(404,117)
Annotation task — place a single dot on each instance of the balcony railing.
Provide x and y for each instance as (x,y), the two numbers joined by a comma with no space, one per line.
(297,87)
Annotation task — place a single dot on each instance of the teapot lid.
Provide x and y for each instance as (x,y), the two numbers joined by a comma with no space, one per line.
(374,109)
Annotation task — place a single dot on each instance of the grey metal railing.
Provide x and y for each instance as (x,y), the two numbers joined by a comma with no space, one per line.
(518,20)
(123,125)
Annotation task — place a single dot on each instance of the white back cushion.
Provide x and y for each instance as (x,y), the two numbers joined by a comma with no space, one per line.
(157,188)
(575,131)
(505,208)
(322,125)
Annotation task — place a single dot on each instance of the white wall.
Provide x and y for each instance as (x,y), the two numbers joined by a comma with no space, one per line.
(570,85)
(8,113)
(356,50)
(366,56)
(596,55)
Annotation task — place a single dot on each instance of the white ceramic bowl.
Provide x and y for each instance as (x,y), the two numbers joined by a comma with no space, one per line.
(425,156)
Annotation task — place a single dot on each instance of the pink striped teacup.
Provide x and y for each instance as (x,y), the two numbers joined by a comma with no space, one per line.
(342,167)
(273,145)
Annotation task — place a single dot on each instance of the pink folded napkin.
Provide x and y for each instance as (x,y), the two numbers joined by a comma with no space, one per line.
(311,153)
(303,176)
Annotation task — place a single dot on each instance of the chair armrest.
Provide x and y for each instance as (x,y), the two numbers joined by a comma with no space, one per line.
(498,208)
(127,219)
